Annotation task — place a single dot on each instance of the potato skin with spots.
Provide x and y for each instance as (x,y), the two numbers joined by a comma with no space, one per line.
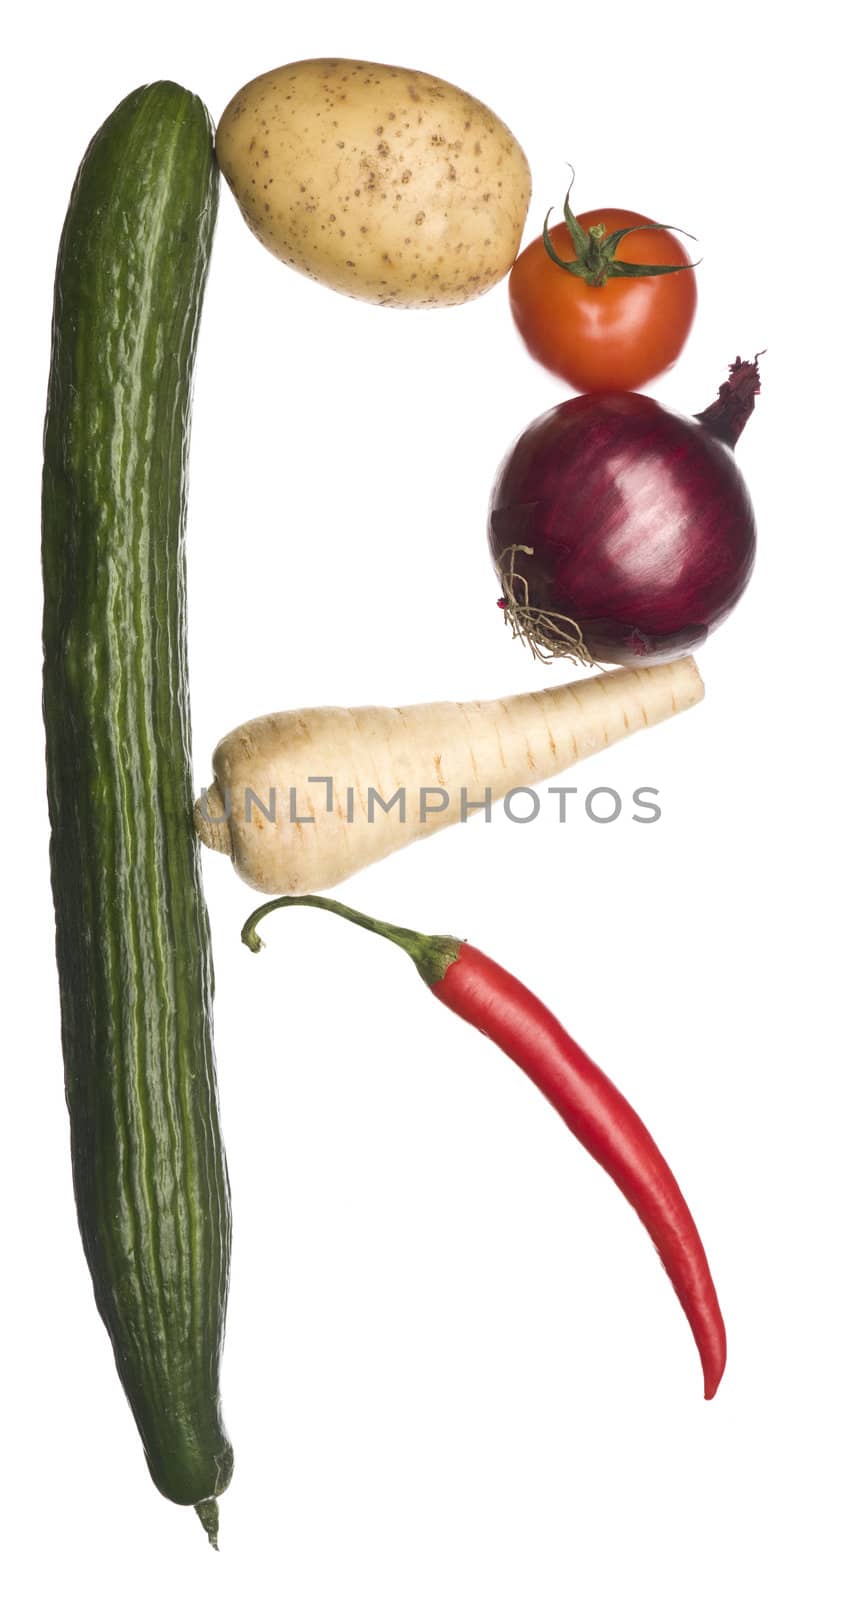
(382,182)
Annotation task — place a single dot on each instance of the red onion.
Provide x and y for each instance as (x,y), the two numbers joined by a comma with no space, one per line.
(621,530)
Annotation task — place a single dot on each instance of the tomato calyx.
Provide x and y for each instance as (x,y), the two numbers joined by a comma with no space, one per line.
(596,249)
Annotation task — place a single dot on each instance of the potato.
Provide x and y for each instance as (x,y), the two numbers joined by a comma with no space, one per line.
(381,182)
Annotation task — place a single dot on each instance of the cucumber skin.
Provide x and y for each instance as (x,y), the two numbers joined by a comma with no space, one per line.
(132,935)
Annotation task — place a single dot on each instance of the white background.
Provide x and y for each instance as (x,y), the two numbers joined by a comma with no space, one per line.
(454,1367)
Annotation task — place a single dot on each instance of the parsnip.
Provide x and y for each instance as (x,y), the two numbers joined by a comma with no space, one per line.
(303,799)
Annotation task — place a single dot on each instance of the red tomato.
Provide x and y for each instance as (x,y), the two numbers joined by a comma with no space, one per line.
(616,336)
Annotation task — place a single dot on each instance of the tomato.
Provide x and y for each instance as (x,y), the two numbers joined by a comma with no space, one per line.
(618,335)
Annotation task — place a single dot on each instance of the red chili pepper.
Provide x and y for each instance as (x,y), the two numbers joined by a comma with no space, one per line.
(488,996)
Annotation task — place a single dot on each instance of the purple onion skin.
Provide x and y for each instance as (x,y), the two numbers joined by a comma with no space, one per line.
(640,522)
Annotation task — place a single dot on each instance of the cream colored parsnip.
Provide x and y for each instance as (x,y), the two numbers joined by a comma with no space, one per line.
(382,182)
(302,789)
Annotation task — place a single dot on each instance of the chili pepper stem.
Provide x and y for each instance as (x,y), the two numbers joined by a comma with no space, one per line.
(432,954)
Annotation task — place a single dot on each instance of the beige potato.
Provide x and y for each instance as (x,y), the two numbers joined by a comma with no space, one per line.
(384,183)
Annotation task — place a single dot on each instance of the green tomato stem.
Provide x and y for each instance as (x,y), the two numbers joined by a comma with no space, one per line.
(596,249)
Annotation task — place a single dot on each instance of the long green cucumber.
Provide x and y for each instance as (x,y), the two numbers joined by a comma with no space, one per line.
(132,936)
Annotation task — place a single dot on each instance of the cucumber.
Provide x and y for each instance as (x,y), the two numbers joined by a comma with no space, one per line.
(132,935)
